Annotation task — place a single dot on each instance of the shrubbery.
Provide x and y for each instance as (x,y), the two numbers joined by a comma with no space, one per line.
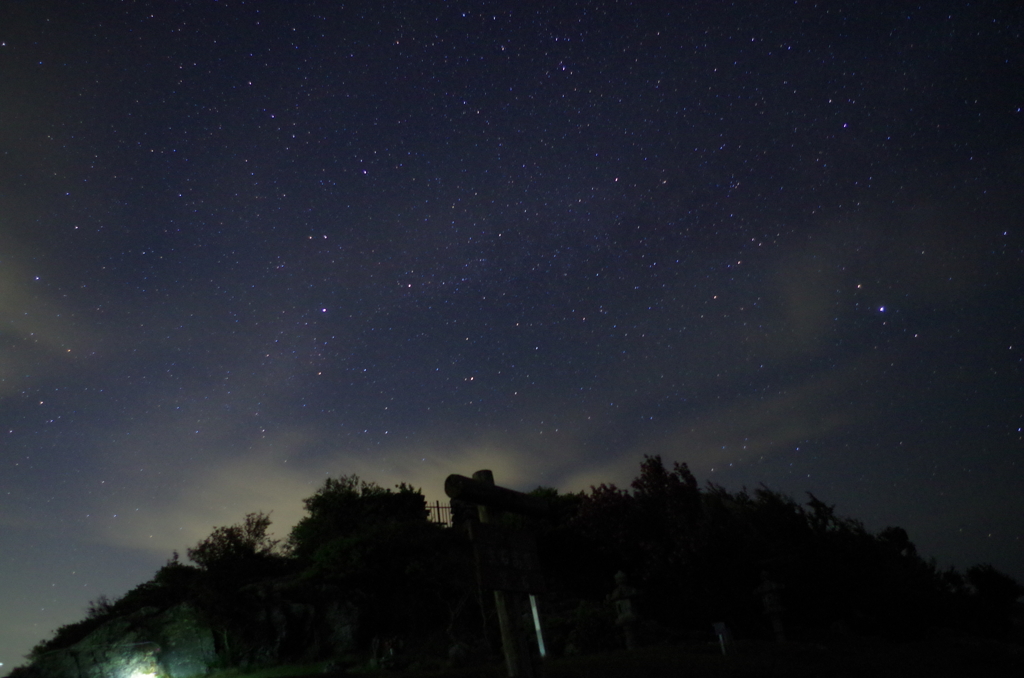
(236,545)
(696,555)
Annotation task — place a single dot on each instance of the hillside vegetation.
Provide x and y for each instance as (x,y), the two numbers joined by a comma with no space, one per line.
(366,577)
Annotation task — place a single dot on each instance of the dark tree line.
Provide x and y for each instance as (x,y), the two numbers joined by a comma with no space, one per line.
(701,556)
(696,555)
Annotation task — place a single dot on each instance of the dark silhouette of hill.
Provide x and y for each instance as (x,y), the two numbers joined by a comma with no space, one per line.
(365,572)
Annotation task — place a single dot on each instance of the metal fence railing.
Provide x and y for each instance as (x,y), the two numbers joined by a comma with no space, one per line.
(440,513)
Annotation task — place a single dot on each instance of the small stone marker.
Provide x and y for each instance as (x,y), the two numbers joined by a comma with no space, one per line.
(724,637)
(625,617)
(771,596)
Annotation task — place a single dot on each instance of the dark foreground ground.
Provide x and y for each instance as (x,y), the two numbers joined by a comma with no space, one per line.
(862,657)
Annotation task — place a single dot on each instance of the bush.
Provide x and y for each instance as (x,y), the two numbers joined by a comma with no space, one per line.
(228,547)
(345,506)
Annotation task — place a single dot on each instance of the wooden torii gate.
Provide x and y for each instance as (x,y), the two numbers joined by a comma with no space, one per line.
(507,561)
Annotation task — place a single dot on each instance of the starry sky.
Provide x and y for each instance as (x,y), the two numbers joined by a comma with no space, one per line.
(247,245)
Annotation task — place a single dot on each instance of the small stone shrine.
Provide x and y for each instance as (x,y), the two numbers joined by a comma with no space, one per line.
(625,616)
(771,596)
(724,636)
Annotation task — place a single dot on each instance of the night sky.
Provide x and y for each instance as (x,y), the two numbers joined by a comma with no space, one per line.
(247,245)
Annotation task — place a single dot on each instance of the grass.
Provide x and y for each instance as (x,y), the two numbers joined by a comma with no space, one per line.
(751,659)
(283,671)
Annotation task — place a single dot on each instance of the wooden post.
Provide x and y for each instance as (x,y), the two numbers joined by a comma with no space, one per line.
(513,639)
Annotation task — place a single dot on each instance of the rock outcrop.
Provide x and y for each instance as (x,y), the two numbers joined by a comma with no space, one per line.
(175,643)
(278,621)
(291,622)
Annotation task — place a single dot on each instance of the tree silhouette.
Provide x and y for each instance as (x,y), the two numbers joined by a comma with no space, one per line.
(344,506)
(234,546)
(994,596)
